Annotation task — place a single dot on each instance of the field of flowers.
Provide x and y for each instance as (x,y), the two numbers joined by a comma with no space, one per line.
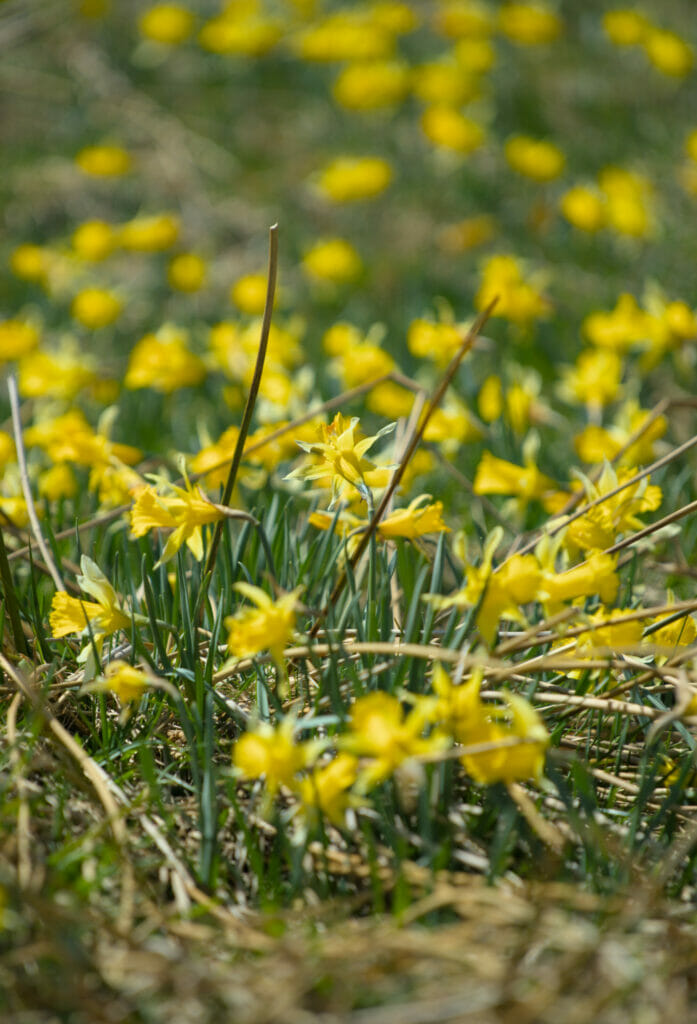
(349,516)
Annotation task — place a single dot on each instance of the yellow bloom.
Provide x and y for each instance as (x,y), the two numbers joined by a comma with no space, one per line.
(626,27)
(273,754)
(96,307)
(94,240)
(30,262)
(187,272)
(681,633)
(444,82)
(475,56)
(668,53)
(460,710)
(348,179)
(249,293)
(627,201)
(583,207)
(169,24)
(17,338)
(183,511)
(529,24)
(60,374)
(268,627)
(105,615)
(497,476)
(595,380)
(534,158)
(428,339)
(502,592)
(449,129)
(126,681)
(519,300)
(490,399)
(58,482)
(597,575)
(371,85)
(332,259)
(390,400)
(452,425)
(362,362)
(344,36)
(416,520)
(163,362)
(245,34)
(381,731)
(105,161)
(464,19)
(341,450)
(327,789)
(149,234)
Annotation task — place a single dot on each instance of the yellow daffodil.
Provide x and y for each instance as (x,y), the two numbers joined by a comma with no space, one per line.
(460,711)
(327,789)
(350,179)
(273,754)
(164,362)
(105,615)
(183,511)
(340,455)
(267,627)
(380,731)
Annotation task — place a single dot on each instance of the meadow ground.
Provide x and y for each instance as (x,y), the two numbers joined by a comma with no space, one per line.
(349,659)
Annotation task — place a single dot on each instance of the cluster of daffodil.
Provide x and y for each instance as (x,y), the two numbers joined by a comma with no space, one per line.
(386,738)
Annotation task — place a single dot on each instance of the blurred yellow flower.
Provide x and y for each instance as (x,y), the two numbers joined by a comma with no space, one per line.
(529,24)
(244,34)
(94,240)
(464,19)
(371,85)
(62,374)
(273,754)
(416,520)
(518,299)
(17,339)
(443,82)
(595,379)
(327,789)
(381,732)
(267,627)
(347,35)
(96,307)
(169,24)
(334,260)
(448,128)
(627,201)
(626,26)
(348,179)
(149,234)
(57,482)
(534,158)
(668,53)
(105,161)
(163,362)
(187,272)
(584,207)
(30,262)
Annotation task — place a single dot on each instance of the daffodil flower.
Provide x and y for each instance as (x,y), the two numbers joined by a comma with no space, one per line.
(105,615)
(268,626)
(184,511)
(340,456)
